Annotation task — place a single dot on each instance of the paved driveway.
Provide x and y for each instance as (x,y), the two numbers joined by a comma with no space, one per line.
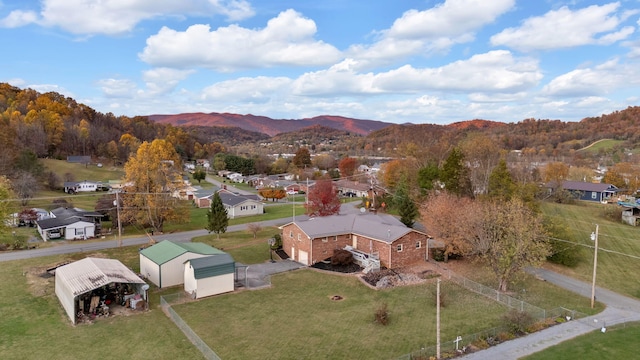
(619,309)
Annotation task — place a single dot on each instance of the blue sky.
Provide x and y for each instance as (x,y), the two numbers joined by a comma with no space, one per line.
(398,61)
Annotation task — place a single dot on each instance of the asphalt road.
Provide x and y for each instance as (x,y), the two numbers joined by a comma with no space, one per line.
(619,309)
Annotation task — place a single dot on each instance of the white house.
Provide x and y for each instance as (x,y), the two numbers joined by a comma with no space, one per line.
(241,205)
(210,275)
(69,224)
(163,263)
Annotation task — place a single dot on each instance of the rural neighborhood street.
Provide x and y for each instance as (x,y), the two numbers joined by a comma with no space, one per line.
(619,309)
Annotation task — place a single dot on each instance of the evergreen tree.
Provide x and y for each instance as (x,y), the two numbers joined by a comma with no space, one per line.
(217,220)
(427,176)
(455,175)
(407,209)
(501,185)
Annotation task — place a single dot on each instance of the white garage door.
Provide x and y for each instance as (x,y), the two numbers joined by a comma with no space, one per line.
(303,257)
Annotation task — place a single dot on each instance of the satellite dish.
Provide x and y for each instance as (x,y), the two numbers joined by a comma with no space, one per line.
(362,210)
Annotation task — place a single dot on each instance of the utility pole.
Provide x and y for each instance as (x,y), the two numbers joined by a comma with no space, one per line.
(119,223)
(438,320)
(594,237)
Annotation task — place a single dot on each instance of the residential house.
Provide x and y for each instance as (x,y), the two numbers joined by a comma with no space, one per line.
(380,236)
(236,204)
(70,224)
(588,191)
(241,205)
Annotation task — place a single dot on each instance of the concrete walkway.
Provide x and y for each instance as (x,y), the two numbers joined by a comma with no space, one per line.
(619,309)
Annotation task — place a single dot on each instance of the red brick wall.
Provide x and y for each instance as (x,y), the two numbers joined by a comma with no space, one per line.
(409,254)
(389,256)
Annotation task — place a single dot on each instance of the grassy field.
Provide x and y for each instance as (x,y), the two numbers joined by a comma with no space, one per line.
(619,342)
(619,246)
(602,145)
(33,324)
(296,319)
(84,172)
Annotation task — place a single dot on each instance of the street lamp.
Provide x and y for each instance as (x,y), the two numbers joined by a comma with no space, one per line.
(594,237)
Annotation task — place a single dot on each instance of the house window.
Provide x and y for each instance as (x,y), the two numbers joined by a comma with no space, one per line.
(79,231)
(326,238)
(300,237)
(291,233)
(594,195)
(253,207)
(335,238)
(418,245)
(399,248)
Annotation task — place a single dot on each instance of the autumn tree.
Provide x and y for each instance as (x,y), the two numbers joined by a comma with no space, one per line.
(302,158)
(440,214)
(5,209)
(347,166)
(509,238)
(279,166)
(324,162)
(25,185)
(555,172)
(484,154)
(323,199)
(272,193)
(217,218)
(455,174)
(199,174)
(254,228)
(152,177)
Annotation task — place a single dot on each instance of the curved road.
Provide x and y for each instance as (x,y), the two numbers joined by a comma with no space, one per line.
(619,309)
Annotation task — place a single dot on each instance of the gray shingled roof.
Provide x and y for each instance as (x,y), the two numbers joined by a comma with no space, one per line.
(377,226)
(233,199)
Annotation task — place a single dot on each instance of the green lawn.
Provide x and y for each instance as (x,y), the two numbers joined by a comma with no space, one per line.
(33,325)
(619,244)
(618,342)
(605,144)
(296,319)
(84,172)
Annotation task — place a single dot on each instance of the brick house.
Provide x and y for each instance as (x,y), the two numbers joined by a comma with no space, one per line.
(379,235)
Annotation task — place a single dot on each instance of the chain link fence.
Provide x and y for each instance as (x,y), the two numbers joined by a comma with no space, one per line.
(494,335)
(165,303)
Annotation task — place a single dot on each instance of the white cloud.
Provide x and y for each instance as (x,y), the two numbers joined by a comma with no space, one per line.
(260,89)
(89,17)
(431,31)
(287,40)
(449,19)
(118,88)
(163,80)
(338,79)
(18,18)
(565,28)
(601,79)
(495,71)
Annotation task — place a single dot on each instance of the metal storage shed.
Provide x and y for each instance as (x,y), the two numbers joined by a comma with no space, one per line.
(163,263)
(83,276)
(209,275)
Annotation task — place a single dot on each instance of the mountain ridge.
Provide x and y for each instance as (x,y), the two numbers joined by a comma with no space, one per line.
(269,126)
